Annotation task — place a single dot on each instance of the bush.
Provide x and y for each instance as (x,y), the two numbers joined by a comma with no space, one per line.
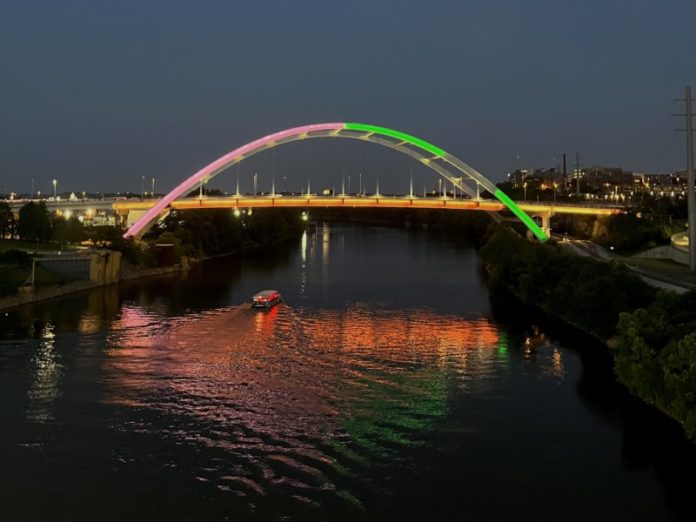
(656,357)
(15,257)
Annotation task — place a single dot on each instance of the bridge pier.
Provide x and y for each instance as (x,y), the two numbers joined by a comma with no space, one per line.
(545,217)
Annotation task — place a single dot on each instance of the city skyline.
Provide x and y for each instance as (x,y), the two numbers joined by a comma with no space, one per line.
(99,95)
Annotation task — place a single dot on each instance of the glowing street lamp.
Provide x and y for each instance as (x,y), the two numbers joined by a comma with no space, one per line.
(55,184)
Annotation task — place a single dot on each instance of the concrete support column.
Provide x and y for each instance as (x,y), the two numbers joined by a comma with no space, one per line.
(546,222)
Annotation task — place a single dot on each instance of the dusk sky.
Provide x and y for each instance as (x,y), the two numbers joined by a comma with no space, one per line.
(100,93)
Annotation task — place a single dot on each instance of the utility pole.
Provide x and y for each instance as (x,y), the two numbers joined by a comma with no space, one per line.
(577,174)
(691,197)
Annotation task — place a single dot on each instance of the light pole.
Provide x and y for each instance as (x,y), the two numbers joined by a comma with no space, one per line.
(142,188)
(360,184)
(439,187)
(255,177)
(524,186)
(555,186)
(348,184)
(55,184)
(153,187)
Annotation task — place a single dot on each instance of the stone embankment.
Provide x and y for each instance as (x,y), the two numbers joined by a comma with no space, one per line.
(125,273)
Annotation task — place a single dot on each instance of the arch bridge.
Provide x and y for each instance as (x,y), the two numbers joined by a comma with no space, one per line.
(454,170)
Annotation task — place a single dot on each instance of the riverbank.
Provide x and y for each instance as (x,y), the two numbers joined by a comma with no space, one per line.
(650,333)
(55,291)
(129,272)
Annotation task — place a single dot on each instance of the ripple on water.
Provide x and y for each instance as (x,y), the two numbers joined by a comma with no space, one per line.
(293,400)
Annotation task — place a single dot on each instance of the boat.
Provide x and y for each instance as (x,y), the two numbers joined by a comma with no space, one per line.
(266,299)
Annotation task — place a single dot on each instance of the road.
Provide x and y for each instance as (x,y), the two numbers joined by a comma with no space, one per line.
(658,280)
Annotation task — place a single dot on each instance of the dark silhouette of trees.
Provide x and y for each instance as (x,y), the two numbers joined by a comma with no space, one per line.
(67,230)
(655,331)
(218,231)
(7,220)
(34,222)
(579,290)
(656,357)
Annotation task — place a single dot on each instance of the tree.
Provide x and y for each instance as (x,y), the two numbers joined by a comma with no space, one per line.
(34,222)
(67,231)
(6,220)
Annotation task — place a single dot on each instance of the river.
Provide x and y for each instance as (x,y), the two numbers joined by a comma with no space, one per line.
(387,386)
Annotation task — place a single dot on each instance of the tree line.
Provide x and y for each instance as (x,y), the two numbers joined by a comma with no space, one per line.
(35,223)
(203,233)
(653,332)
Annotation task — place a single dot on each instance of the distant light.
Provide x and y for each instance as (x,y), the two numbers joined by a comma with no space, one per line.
(237,212)
(304,216)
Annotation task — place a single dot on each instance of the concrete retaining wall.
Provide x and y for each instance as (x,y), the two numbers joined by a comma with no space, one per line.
(666,252)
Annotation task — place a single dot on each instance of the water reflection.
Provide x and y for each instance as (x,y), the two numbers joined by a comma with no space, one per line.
(325,243)
(44,387)
(297,396)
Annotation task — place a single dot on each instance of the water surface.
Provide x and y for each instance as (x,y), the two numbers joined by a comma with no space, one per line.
(385,387)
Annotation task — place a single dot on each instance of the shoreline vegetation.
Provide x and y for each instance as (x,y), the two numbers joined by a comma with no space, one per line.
(650,333)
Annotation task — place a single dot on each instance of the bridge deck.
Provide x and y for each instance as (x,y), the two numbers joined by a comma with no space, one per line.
(123,207)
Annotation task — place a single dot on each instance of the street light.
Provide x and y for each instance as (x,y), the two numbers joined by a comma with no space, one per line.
(142,188)
(55,184)
(524,186)
(153,187)
(255,175)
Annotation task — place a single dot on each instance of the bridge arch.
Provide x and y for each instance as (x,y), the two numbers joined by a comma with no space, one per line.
(442,162)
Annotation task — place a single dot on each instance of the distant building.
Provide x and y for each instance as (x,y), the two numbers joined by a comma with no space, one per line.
(602,183)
